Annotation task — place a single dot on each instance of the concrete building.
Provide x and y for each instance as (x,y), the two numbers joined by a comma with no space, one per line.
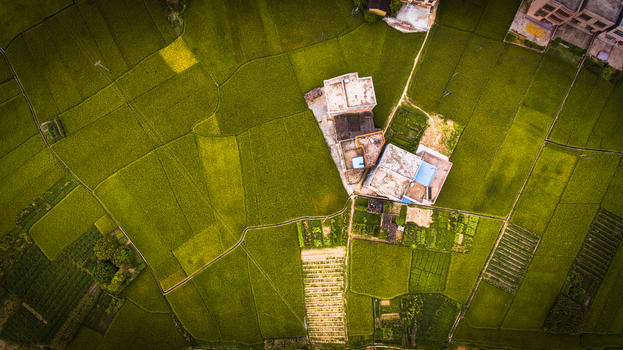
(591,16)
(406,177)
(343,109)
(614,34)
(348,94)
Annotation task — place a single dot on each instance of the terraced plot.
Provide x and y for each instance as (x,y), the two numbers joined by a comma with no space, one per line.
(600,244)
(511,258)
(323,283)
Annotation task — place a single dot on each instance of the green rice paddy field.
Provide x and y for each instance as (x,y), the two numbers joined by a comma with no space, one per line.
(186,140)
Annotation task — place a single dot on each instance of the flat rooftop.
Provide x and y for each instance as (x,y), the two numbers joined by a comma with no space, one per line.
(348,92)
(350,125)
(400,161)
(608,9)
(372,145)
(573,5)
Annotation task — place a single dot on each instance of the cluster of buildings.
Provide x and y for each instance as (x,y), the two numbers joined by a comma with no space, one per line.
(593,25)
(343,108)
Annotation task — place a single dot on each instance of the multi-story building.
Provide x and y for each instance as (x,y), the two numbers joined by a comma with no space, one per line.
(614,34)
(555,12)
(591,16)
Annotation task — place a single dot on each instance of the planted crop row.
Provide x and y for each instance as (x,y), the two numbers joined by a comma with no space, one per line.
(511,258)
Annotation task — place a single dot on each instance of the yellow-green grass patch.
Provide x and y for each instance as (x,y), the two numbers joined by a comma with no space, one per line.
(134,328)
(546,184)
(16,125)
(277,186)
(26,173)
(587,98)
(488,307)
(378,269)
(191,310)
(512,162)
(591,177)
(607,131)
(67,221)
(174,106)
(359,315)
(465,268)
(226,291)
(314,64)
(258,92)
(178,56)
(548,270)
(144,292)
(276,280)
(105,146)
(105,224)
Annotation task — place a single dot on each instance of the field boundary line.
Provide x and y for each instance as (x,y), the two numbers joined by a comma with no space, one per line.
(244,233)
(508,217)
(583,148)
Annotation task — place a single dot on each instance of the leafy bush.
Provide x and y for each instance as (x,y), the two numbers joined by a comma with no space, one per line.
(104,272)
(370,17)
(105,248)
(116,282)
(123,255)
(394,6)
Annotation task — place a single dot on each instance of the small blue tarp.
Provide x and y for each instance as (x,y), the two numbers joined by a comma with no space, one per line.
(425,174)
(358,163)
(404,200)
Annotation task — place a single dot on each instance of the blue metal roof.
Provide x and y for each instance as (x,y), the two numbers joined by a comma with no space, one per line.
(425,174)
(358,163)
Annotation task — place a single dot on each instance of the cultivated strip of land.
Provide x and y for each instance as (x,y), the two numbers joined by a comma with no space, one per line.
(323,285)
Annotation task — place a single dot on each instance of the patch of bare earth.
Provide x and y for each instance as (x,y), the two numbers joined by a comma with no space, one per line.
(323,284)
(438,134)
(421,217)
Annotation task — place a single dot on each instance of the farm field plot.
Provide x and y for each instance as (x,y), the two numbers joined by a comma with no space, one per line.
(135,328)
(323,285)
(448,232)
(544,188)
(50,289)
(378,269)
(586,273)
(465,268)
(548,270)
(488,307)
(511,258)
(359,315)
(66,222)
(428,271)
(277,185)
(277,276)
(581,111)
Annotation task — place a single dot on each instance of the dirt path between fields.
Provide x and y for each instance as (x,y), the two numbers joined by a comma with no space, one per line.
(244,233)
(404,92)
(508,217)
(64,165)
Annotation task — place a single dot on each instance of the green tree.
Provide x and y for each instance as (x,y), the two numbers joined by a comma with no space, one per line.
(123,255)
(104,272)
(105,248)
(116,281)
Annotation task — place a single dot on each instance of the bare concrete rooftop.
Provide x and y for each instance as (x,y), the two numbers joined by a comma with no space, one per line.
(573,5)
(348,93)
(608,9)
